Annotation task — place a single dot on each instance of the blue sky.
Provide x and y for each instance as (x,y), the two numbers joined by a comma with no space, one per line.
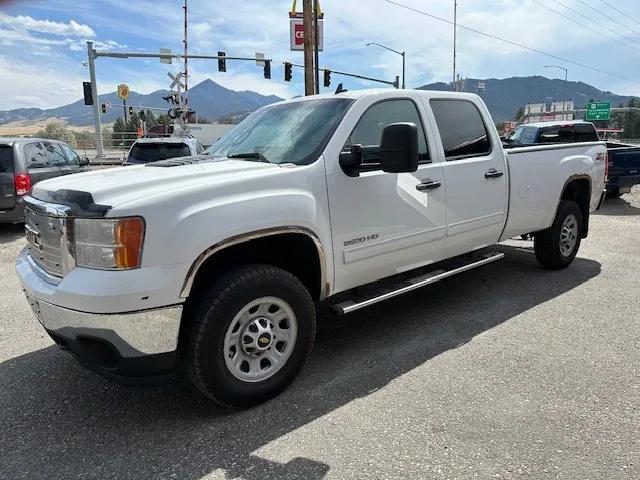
(43,43)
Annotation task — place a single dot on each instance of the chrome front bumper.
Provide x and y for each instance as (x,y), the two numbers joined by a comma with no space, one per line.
(133,334)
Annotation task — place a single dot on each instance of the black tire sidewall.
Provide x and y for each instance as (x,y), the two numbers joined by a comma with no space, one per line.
(547,245)
(219,382)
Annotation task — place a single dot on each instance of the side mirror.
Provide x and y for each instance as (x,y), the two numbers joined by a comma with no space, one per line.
(84,161)
(351,161)
(399,148)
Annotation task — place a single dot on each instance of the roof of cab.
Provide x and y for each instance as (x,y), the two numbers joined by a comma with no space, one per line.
(554,123)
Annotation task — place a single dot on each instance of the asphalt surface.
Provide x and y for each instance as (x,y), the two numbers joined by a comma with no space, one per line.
(507,371)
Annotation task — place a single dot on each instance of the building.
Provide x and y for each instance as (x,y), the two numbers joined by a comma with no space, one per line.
(548,112)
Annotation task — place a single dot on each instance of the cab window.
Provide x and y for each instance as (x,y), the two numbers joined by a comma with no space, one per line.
(72,156)
(462,130)
(368,131)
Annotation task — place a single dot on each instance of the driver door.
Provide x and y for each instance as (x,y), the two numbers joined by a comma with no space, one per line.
(381,223)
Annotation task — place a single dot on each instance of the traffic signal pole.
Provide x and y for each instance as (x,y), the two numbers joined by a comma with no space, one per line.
(96,101)
(395,83)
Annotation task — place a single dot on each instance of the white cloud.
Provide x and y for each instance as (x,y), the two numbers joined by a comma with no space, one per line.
(26,23)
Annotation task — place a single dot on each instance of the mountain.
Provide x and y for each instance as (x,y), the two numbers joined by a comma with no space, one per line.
(505,96)
(207,98)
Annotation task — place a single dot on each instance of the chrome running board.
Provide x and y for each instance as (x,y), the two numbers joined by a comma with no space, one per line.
(381,294)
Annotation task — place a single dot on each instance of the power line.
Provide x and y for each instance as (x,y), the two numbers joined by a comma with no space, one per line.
(598,23)
(607,16)
(620,12)
(509,42)
(635,49)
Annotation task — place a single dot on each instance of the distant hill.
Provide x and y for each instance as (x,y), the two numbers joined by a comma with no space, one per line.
(208,98)
(505,96)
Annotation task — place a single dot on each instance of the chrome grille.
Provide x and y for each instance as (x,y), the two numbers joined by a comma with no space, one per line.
(46,238)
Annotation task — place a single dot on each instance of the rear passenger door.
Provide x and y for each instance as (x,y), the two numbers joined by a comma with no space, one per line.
(475,176)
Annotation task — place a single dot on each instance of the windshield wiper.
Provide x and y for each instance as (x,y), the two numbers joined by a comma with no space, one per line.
(250,155)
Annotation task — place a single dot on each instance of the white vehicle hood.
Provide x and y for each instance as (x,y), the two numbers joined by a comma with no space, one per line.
(116,186)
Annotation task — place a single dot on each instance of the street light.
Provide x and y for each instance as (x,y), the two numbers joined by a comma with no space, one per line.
(394,51)
(564,95)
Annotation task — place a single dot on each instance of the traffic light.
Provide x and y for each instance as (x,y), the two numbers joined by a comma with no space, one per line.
(267,69)
(287,71)
(88,94)
(104,108)
(142,115)
(222,62)
(131,111)
(327,77)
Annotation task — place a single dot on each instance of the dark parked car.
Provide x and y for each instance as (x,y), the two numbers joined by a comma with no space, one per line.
(624,168)
(26,161)
(544,133)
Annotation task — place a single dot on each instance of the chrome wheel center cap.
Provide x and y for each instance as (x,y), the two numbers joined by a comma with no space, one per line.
(258,336)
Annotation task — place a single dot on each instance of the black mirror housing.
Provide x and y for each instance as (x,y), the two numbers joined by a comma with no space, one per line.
(351,161)
(399,148)
(84,161)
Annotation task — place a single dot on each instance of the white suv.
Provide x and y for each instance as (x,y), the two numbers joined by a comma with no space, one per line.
(152,149)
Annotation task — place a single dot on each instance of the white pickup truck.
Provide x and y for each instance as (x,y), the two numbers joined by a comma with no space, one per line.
(213,265)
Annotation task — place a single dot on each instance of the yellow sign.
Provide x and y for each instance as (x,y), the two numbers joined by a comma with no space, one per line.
(123,91)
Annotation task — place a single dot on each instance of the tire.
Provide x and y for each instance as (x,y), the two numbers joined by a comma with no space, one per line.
(247,303)
(552,245)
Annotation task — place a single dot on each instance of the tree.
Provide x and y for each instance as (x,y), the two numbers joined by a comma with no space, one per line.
(56,131)
(519,113)
(163,119)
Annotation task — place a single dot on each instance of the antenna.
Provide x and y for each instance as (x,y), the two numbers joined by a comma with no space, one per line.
(186,69)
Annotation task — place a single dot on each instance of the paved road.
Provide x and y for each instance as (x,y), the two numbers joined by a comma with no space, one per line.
(504,372)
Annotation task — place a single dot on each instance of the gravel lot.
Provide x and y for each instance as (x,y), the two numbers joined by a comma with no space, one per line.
(506,372)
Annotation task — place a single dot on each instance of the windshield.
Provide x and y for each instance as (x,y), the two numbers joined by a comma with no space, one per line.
(152,152)
(288,133)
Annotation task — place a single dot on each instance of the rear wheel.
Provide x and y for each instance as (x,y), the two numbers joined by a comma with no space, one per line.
(557,246)
(251,334)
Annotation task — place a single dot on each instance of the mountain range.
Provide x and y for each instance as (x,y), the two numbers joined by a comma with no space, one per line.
(504,96)
(211,100)
(208,98)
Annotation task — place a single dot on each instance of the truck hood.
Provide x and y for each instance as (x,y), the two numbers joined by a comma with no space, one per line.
(116,186)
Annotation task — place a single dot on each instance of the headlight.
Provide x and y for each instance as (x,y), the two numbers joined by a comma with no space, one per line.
(108,243)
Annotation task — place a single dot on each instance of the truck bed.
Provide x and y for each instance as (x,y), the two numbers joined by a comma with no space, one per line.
(531,183)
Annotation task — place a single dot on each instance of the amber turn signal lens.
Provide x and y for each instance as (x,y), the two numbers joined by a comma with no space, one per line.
(129,235)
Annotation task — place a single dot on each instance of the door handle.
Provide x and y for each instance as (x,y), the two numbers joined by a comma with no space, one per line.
(493,173)
(427,184)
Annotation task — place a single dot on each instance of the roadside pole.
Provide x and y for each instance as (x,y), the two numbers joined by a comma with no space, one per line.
(316,42)
(307,19)
(96,100)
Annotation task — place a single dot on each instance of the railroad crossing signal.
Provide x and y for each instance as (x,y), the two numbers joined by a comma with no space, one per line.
(327,77)
(123,91)
(222,63)
(176,80)
(598,111)
(287,71)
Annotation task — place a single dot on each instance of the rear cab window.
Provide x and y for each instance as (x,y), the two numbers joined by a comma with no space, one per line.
(462,129)
(568,133)
(153,152)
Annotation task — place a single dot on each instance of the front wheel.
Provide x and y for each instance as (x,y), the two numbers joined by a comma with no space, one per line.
(557,246)
(251,333)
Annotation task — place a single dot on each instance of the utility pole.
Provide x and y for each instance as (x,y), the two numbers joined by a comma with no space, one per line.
(307,20)
(186,57)
(316,43)
(96,100)
(455,14)
(564,95)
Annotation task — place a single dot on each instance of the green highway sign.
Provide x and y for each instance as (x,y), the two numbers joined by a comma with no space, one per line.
(598,111)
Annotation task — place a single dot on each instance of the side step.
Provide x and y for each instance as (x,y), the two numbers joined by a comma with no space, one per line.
(386,292)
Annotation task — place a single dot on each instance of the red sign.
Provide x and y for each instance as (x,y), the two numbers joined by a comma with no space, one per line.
(298,34)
